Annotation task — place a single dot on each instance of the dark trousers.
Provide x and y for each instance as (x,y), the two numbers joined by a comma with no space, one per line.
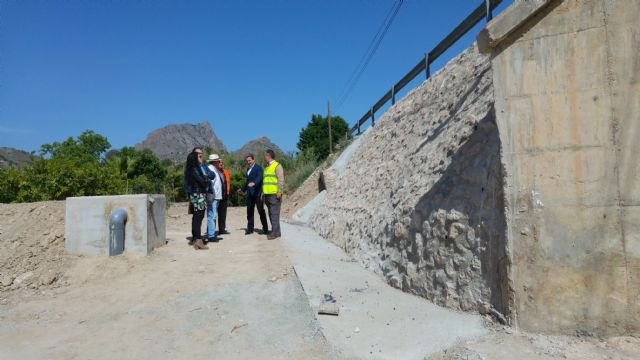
(252,202)
(222,215)
(273,205)
(196,224)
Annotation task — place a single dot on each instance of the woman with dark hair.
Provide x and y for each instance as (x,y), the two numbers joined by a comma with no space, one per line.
(196,185)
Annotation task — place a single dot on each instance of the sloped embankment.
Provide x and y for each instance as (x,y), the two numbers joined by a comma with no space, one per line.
(421,201)
(32,251)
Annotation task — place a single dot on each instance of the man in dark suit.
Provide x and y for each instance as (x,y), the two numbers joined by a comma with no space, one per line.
(253,187)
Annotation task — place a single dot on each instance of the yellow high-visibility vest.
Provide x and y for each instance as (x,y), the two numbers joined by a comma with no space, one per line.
(270,180)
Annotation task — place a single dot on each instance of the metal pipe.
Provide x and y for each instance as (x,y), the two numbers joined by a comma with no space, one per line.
(117,221)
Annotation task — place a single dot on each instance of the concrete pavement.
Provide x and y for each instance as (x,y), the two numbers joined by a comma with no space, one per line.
(376,321)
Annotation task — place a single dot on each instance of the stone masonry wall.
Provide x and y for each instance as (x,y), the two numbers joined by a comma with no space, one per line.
(421,201)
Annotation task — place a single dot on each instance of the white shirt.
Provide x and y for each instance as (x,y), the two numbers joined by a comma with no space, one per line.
(216,183)
(249,170)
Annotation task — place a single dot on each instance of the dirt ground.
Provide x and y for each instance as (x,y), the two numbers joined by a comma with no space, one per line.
(505,343)
(305,193)
(310,187)
(32,253)
(239,299)
(236,300)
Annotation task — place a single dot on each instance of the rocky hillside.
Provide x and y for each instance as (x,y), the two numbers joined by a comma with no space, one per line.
(426,211)
(13,157)
(257,147)
(174,142)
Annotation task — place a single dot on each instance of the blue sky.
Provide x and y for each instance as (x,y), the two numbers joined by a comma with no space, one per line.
(125,67)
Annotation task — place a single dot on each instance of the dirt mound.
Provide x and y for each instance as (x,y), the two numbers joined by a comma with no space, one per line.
(305,193)
(32,245)
(313,185)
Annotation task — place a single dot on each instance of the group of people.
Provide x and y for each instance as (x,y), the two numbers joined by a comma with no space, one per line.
(208,187)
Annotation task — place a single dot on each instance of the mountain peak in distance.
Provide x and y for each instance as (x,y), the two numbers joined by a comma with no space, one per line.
(174,142)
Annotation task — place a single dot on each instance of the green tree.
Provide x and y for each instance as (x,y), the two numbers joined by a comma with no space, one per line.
(73,167)
(82,167)
(316,135)
(10,184)
(141,171)
(88,146)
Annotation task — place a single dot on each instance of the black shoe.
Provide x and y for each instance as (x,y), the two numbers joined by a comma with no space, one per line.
(247,232)
(214,239)
(224,232)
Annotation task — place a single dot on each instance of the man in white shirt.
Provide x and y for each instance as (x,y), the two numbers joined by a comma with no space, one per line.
(212,207)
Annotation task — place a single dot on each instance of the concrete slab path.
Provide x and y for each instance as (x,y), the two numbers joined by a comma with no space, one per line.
(376,321)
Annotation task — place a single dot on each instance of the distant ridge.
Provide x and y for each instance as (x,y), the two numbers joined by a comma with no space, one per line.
(10,157)
(174,142)
(257,147)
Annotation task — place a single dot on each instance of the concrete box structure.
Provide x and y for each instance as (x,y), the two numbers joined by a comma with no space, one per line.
(567,97)
(87,223)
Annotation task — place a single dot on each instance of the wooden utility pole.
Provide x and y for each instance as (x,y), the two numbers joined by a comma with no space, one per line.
(329,121)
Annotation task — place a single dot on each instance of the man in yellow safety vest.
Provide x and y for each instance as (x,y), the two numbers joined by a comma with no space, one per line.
(272,186)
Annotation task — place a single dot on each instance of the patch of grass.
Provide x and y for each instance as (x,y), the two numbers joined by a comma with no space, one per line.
(301,166)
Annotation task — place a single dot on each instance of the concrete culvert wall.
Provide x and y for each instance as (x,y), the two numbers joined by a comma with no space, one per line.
(423,205)
(567,87)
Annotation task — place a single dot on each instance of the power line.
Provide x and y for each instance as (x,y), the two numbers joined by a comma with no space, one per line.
(364,56)
(368,55)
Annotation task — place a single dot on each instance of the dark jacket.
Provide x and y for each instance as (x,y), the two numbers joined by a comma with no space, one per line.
(195,181)
(255,177)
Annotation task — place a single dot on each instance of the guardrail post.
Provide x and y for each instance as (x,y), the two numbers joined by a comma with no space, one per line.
(426,65)
(393,94)
(489,13)
(358,127)
(373,118)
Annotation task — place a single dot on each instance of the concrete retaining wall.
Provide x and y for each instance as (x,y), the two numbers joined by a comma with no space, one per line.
(566,78)
(87,223)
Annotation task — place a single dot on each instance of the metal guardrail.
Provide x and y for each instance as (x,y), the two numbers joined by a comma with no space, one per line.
(483,11)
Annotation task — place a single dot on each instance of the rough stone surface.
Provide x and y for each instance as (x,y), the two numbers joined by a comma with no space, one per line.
(420,201)
(174,142)
(328,176)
